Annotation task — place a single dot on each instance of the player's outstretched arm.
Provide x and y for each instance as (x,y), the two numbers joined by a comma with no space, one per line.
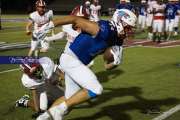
(85,25)
(28,28)
(58,36)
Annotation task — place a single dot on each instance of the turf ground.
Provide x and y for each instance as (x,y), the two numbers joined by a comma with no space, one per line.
(147,78)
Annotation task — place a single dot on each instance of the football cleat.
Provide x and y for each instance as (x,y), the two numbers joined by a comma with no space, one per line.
(22,102)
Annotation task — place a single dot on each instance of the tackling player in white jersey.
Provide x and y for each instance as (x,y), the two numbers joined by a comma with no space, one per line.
(41,78)
(95,11)
(158,20)
(36,20)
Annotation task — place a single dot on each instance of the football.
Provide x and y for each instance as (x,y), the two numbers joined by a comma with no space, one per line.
(108,56)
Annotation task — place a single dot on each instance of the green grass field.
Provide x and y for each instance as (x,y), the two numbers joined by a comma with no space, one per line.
(147,78)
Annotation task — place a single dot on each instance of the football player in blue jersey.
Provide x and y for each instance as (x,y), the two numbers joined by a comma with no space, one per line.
(142,11)
(81,84)
(125,4)
(171,11)
(176,23)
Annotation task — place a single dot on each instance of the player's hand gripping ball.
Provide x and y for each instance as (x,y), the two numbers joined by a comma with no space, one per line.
(108,56)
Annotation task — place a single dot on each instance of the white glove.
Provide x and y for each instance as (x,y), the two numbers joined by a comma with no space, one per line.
(117,52)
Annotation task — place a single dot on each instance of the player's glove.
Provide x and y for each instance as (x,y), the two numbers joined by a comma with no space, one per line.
(117,54)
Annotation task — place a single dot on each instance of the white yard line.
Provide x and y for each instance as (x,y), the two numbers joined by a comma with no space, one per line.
(168,113)
(172,46)
(2,43)
(11,70)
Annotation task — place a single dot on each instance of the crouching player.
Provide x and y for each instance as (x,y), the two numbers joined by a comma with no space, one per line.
(158,20)
(41,79)
(81,84)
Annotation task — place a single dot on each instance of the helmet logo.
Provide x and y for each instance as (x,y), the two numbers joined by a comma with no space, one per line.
(123,14)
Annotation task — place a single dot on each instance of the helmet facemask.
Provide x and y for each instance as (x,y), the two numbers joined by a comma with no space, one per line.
(41,7)
(124,20)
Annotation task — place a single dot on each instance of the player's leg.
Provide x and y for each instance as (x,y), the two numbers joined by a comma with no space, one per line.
(139,22)
(154,29)
(166,29)
(34,46)
(176,24)
(160,30)
(82,76)
(149,21)
(143,22)
(171,29)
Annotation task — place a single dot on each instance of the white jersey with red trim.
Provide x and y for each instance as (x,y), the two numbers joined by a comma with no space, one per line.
(95,10)
(158,7)
(39,20)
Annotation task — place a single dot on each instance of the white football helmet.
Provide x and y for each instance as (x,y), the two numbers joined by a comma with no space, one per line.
(40,3)
(126,16)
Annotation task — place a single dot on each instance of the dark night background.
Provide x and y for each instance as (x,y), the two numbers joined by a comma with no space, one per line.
(25,6)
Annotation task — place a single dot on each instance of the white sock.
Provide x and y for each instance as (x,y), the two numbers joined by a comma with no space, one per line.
(58,111)
(44,116)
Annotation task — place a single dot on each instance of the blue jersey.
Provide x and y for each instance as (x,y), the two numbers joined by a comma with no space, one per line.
(171,11)
(86,47)
(125,6)
(178,6)
(130,7)
(142,10)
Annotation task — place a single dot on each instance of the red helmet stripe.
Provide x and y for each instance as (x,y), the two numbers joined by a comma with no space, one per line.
(40,3)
